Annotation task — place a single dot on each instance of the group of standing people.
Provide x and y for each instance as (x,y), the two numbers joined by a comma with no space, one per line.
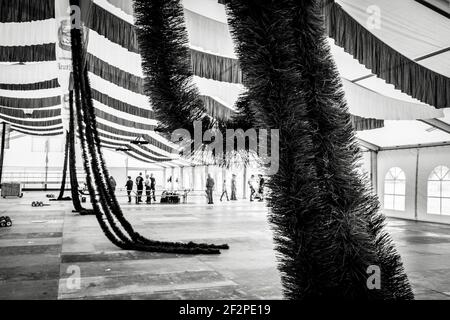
(256,185)
(256,188)
(210,188)
(150,187)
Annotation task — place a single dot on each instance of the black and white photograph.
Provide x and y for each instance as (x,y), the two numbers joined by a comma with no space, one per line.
(228,156)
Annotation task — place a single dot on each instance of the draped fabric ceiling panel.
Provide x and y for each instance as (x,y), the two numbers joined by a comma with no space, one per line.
(29,71)
(30,95)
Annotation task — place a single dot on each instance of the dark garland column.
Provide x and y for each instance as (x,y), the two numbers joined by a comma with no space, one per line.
(335,142)
(2,151)
(64,176)
(166,62)
(72,162)
(163,43)
(326,226)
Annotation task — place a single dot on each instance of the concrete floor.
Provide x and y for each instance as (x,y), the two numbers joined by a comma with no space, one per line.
(46,245)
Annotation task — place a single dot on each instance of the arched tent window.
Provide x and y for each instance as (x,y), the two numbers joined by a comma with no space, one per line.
(439,191)
(395,189)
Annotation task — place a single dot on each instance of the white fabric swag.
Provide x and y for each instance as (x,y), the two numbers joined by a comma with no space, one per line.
(117,9)
(209,35)
(123,115)
(114,54)
(30,94)
(416,34)
(28,33)
(119,93)
(369,104)
(28,73)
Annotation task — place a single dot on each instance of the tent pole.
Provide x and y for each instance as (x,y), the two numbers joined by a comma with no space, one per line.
(46,164)
(416,187)
(2,153)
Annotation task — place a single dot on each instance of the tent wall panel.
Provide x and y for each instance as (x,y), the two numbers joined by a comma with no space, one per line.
(429,159)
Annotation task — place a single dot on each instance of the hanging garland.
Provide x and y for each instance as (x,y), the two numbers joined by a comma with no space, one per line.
(167,65)
(107,210)
(64,176)
(327,226)
(349,187)
(72,163)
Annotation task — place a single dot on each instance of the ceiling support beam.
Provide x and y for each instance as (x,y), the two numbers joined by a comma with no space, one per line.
(368,145)
(438,124)
(417,146)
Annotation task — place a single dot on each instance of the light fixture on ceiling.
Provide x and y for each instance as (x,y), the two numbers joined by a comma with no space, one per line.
(139,141)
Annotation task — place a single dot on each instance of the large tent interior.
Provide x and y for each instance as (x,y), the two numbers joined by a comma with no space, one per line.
(401,117)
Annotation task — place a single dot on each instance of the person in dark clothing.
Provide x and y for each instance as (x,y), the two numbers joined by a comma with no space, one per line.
(153,186)
(140,186)
(261,187)
(210,188)
(113,183)
(147,189)
(233,187)
(224,190)
(251,184)
(129,186)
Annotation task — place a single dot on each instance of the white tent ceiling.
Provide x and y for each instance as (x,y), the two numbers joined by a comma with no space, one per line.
(420,33)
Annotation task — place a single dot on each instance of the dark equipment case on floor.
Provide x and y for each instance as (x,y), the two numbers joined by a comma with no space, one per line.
(11,189)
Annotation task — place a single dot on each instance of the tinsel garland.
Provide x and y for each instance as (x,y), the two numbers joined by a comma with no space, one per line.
(309,37)
(72,162)
(109,214)
(326,223)
(166,63)
(64,176)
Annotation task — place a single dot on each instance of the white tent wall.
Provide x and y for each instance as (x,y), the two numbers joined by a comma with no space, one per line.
(415,162)
(25,161)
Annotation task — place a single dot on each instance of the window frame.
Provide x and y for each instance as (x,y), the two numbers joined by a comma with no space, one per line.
(437,171)
(395,180)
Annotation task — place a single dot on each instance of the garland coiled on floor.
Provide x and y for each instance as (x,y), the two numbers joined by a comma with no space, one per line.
(107,210)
